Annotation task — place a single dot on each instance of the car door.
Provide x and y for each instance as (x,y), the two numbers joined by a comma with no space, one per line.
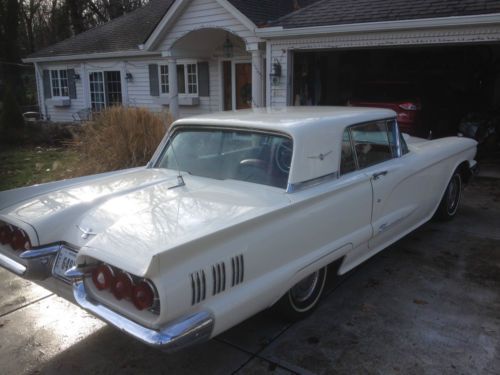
(399,192)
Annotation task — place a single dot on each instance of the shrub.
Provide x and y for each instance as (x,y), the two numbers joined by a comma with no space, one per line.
(11,119)
(120,138)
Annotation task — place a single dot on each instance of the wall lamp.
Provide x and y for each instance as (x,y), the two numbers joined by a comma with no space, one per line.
(276,73)
(129,77)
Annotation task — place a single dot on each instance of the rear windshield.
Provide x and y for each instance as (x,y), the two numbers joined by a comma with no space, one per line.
(261,158)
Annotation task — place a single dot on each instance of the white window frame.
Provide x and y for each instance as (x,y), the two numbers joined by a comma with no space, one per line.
(185,65)
(105,89)
(59,79)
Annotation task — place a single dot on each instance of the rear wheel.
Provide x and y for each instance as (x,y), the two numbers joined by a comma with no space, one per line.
(303,297)
(451,199)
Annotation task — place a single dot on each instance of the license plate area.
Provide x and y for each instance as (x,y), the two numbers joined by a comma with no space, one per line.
(65,259)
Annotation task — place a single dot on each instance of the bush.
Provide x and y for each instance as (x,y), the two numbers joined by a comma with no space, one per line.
(11,119)
(121,138)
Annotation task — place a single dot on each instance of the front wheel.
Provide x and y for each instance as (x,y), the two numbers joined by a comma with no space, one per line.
(451,199)
(303,297)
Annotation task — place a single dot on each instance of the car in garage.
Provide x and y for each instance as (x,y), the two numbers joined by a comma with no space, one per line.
(235,213)
(401,97)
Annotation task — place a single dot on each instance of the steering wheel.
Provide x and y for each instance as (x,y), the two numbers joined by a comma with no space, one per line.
(283,156)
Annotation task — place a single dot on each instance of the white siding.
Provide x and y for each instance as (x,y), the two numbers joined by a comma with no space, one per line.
(202,14)
(137,88)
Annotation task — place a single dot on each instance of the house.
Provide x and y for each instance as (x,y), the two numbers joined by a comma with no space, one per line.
(233,54)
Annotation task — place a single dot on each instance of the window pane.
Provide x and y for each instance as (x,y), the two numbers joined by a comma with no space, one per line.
(347,163)
(63,75)
(54,78)
(181,83)
(192,78)
(164,79)
(371,143)
(113,88)
(97,91)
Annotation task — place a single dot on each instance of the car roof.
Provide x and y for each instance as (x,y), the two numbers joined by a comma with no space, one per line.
(289,119)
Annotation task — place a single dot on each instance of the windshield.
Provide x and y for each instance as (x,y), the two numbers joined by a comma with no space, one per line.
(221,154)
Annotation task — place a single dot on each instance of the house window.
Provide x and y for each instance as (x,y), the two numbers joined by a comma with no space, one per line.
(105,89)
(59,82)
(187,79)
(164,79)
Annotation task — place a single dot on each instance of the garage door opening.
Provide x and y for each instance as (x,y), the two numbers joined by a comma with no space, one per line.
(447,83)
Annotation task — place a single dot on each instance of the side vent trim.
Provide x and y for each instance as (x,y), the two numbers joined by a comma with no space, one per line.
(218,278)
(198,287)
(238,269)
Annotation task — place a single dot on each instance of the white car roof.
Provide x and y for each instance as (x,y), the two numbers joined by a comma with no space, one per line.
(314,130)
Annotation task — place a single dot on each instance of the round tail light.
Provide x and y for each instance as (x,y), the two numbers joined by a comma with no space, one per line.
(122,286)
(103,277)
(6,233)
(143,295)
(20,240)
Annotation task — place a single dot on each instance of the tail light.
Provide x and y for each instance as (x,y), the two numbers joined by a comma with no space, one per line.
(143,295)
(103,276)
(124,286)
(409,106)
(17,238)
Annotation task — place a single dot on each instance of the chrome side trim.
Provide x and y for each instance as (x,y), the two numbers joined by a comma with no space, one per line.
(292,188)
(187,330)
(11,265)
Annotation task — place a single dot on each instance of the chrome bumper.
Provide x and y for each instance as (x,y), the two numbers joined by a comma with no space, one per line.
(186,331)
(37,263)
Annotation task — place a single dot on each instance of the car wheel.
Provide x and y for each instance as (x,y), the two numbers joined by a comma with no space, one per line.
(303,297)
(451,199)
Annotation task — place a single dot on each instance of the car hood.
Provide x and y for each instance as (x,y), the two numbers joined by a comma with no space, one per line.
(127,219)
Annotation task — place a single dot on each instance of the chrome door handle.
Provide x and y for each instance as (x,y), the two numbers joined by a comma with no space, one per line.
(377,175)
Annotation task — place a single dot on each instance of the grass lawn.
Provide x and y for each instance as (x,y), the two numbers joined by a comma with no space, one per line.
(34,165)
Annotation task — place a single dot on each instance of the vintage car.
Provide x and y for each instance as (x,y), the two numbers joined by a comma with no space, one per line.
(236,212)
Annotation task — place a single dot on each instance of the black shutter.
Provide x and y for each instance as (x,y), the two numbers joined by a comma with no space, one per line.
(47,92)
(154,84)
(203,79)
(71,83)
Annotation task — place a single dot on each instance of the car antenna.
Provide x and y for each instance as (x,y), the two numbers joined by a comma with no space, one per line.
(180,179)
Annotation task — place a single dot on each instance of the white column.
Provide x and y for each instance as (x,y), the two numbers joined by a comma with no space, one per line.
(257,79)
(173,88)
(40,92)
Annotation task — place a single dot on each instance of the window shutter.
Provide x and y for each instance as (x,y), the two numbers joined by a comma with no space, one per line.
(47,92)
(154,84)
(203,79)
(71,83)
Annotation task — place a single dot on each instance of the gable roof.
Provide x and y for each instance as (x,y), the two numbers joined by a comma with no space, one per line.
(341,12)
(124,33)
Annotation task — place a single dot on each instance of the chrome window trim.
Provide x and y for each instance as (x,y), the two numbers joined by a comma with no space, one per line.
(298,186)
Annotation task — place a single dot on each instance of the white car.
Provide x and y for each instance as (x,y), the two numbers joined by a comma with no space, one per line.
(236,212)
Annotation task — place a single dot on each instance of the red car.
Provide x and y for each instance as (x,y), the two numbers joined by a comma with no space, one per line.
(401,97)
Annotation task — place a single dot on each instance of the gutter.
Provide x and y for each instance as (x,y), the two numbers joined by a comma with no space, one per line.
(422,23)
(92,56)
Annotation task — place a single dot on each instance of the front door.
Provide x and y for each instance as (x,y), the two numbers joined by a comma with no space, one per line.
(243,85)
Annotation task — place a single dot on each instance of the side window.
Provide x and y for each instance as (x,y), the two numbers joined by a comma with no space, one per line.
(371,143)
(347,162)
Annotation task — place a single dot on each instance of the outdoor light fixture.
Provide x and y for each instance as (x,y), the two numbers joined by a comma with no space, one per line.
(276,73)
(128,76)
(76,76)
(227,48)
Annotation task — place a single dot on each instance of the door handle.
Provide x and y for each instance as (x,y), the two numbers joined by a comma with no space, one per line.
(377,175)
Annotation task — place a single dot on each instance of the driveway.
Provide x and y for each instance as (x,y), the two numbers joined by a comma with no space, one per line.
(428,304)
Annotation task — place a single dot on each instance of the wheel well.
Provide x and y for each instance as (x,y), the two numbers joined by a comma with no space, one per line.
(465,171)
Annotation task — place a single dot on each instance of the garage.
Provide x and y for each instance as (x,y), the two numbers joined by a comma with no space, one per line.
(446,83)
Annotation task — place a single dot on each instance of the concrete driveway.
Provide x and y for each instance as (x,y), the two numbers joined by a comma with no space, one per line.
(429,304)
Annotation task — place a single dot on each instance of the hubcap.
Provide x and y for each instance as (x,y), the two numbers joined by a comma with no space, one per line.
(453,194)
(305,288)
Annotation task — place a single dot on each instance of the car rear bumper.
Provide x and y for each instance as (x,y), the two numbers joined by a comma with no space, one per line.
(185,331)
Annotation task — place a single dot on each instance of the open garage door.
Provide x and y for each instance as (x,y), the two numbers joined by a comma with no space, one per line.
(444,84)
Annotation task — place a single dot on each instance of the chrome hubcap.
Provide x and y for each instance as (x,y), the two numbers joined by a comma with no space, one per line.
(305,288)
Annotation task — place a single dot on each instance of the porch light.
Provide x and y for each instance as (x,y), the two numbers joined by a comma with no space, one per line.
(76,77)
(276,73)
(128,76)
(227,48)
